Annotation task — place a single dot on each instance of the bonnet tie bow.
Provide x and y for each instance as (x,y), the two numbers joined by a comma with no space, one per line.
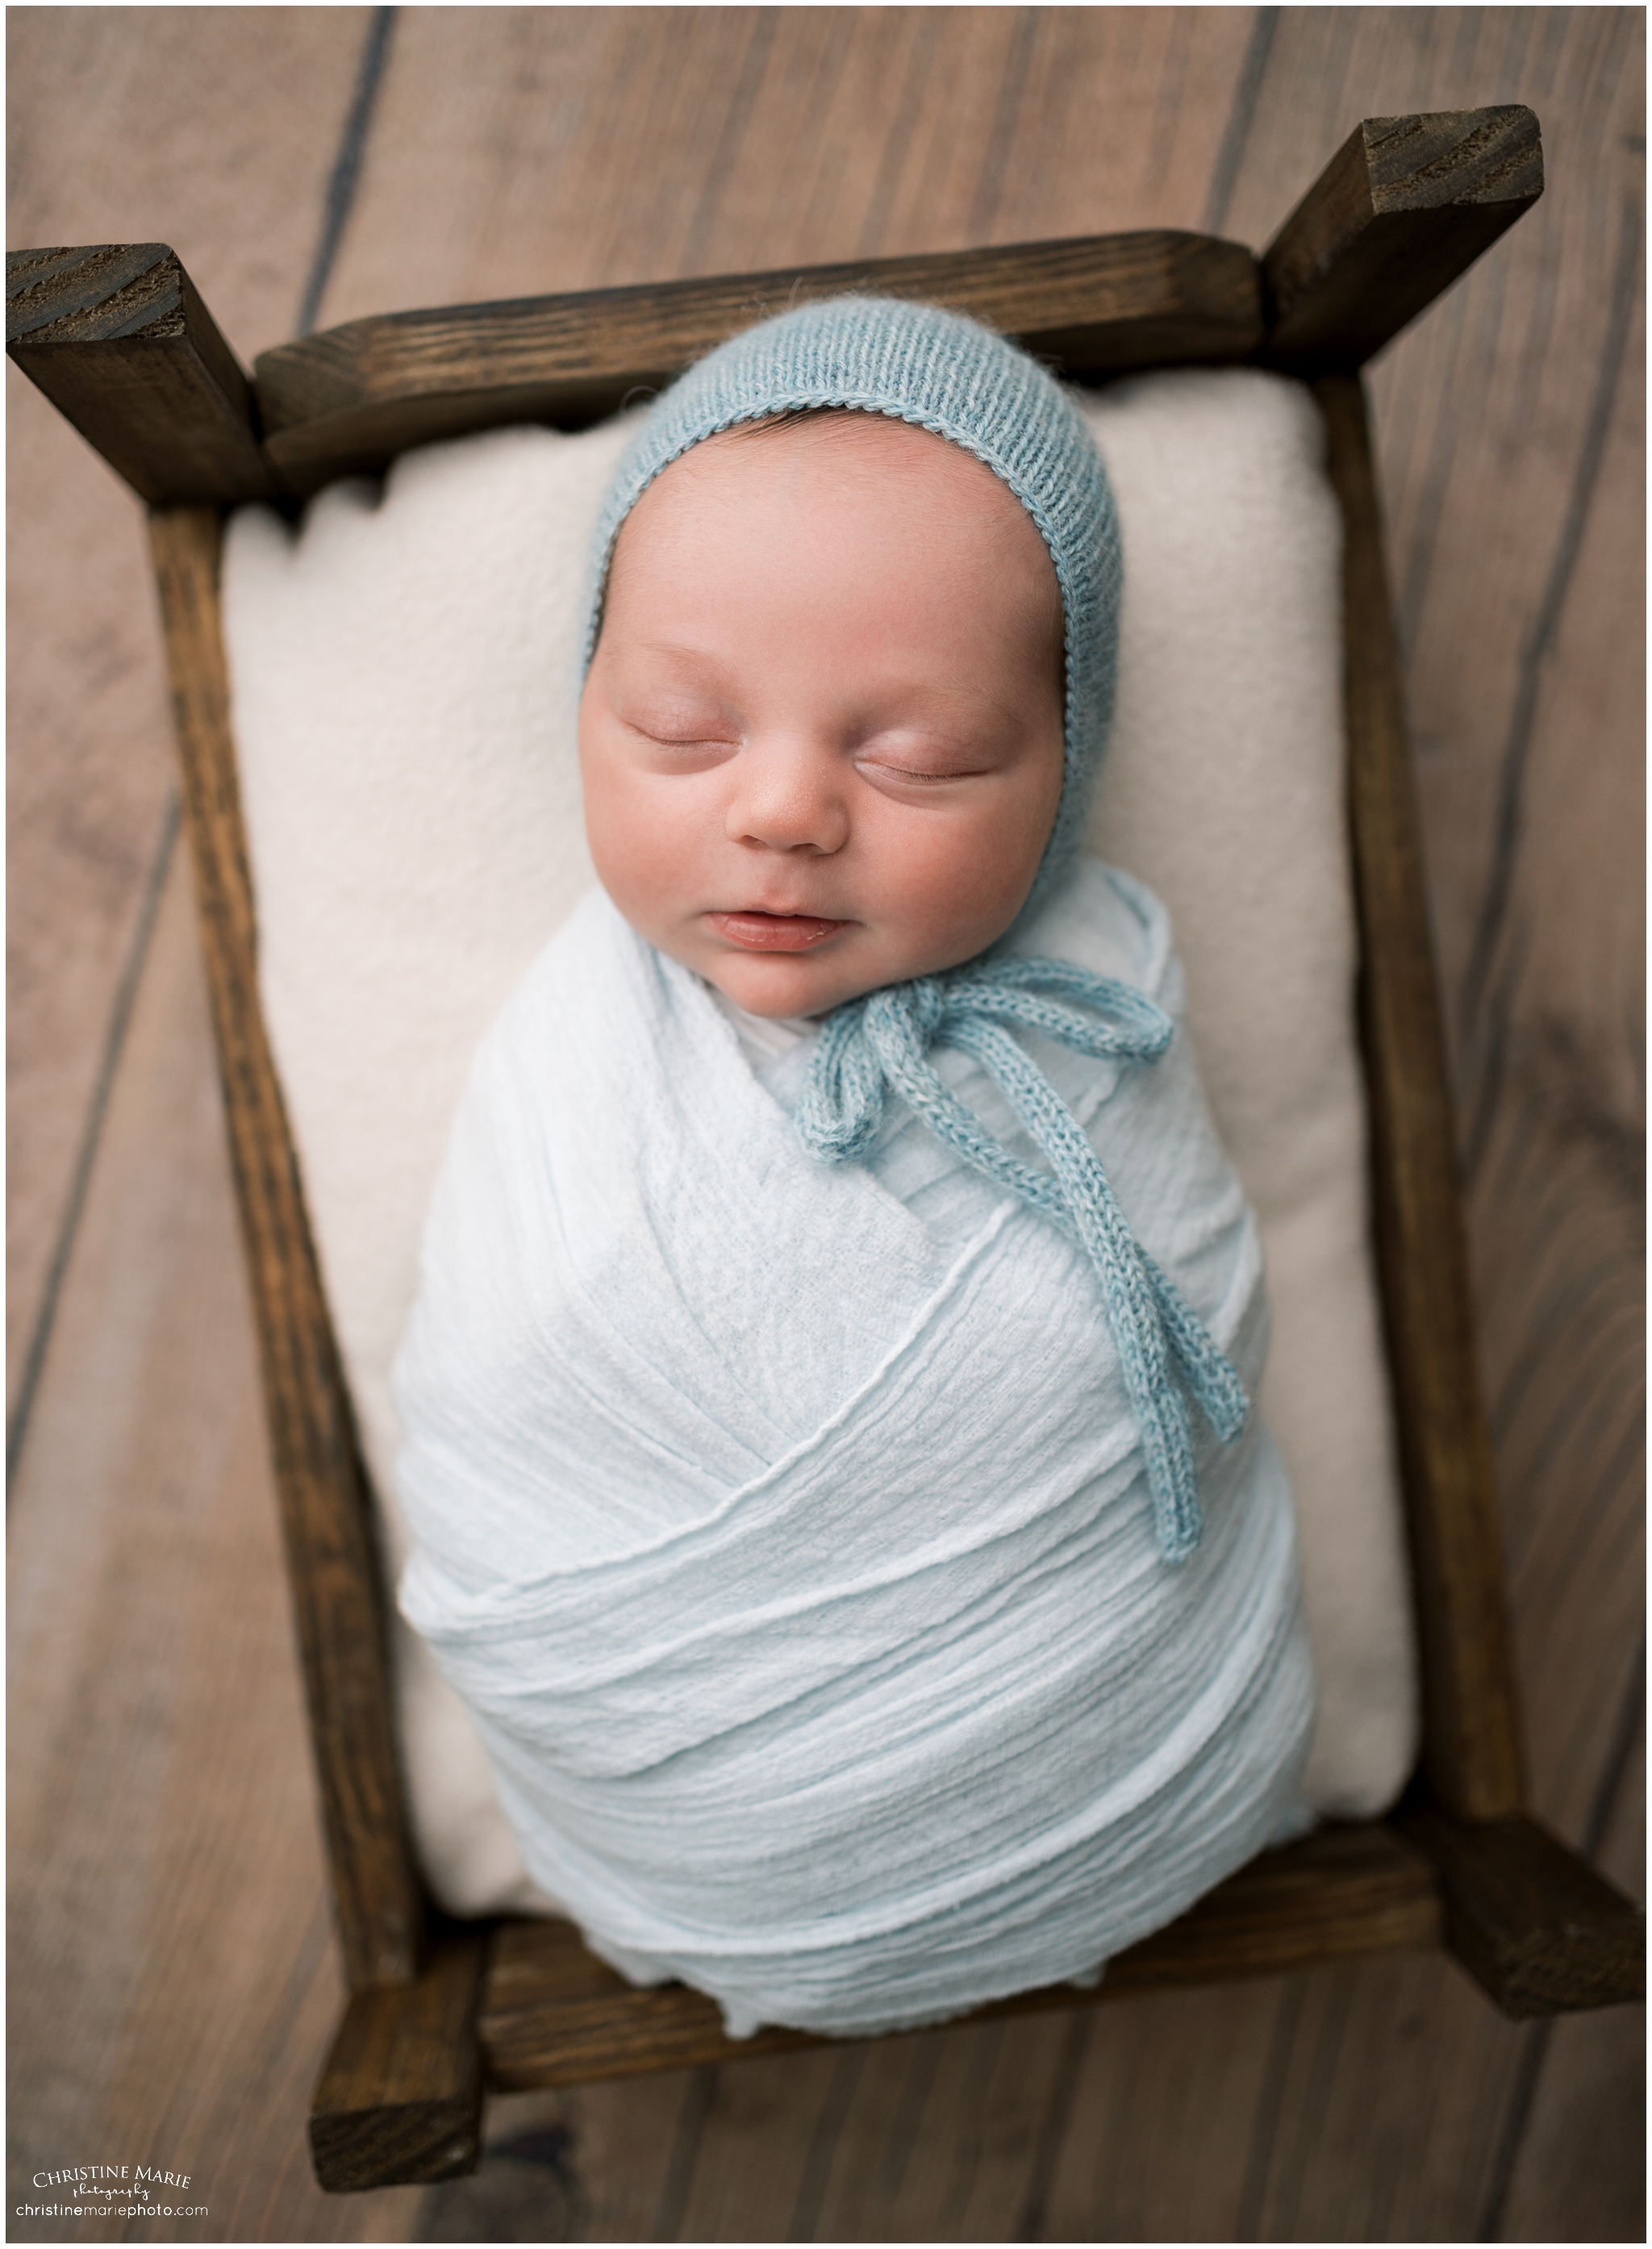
(874,1045)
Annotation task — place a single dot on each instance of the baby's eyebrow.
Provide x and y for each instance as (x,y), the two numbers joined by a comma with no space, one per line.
(695,655)
(676,665)
(951,691)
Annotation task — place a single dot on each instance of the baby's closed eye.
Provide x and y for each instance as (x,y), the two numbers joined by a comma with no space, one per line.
(928,760)
(682,733)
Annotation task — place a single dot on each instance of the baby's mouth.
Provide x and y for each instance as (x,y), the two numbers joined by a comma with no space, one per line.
(773,932)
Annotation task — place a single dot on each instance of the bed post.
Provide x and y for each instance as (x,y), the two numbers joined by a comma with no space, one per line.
(1405,205)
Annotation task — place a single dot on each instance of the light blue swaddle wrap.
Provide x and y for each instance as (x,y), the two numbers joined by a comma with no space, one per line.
(797,1531)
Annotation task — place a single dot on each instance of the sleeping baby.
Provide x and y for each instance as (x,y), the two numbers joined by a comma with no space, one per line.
(827,1442)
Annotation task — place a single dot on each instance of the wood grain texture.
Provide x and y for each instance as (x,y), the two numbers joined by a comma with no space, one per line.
(938,2136)
(525,150)
(118,340)
(942,2137)
(1168,2098)
(1386,2084)
(326,1511)
(553,2015)
(173,1976)
(91,810)
(1536,1927)
(633,2148)
(1406,205)
(212,129)
(348,400)
(1471,1745)
(399,2102)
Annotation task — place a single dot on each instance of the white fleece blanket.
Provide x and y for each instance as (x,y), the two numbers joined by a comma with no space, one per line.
(786,1527)
(402,672)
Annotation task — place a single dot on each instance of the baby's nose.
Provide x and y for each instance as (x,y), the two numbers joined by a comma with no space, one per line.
(788,799)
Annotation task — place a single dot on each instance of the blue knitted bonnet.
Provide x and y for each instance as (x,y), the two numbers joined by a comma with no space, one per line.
(948,374)
(944,372)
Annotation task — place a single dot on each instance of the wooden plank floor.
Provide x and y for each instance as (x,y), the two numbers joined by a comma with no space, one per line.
(171,1980)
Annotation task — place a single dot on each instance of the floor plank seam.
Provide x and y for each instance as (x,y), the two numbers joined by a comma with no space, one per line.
(1046,2153)
(346,165)
(907,2123)
(685,2146)
(892,162)
(97,1113)
(1616,1762)
(1528,2070)
(995,164)
(1264,2124)
(1225,175)
(822,2146)
(736,120)
(1533,655)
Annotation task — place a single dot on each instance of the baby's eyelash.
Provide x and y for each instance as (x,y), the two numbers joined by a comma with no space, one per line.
(916,773)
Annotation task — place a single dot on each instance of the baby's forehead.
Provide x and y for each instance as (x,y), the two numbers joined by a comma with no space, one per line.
(846,446)
(821,463)
(849,507)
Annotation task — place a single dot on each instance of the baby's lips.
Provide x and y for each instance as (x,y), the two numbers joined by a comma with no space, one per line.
(756,931)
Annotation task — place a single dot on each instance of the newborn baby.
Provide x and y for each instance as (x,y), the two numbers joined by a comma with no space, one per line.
(827,1449)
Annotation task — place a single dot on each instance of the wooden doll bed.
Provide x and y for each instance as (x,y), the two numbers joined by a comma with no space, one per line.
(439,2011)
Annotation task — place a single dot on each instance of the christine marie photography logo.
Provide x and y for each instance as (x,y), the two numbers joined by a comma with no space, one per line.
(112,2190)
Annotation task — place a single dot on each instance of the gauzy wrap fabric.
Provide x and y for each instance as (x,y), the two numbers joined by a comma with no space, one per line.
(785,1526)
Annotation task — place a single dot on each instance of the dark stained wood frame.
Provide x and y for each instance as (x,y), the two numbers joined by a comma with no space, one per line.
(119,339)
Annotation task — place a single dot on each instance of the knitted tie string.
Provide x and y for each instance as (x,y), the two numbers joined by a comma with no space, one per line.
(878,1045)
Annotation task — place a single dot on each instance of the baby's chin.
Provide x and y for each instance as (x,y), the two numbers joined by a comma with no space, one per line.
(785,986)
(789,986)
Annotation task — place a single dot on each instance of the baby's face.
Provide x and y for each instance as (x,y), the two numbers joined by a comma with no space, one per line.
(821,737)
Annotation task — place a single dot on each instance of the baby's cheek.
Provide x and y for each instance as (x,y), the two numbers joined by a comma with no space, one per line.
(626,829)
(634,868)
(965,887)
(628,849)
